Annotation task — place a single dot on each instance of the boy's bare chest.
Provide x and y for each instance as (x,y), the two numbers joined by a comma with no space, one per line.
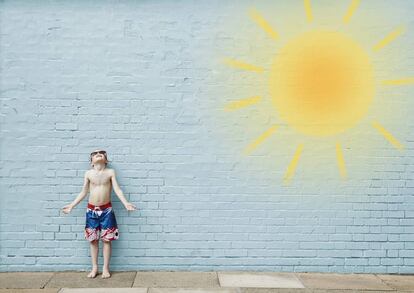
(100,179)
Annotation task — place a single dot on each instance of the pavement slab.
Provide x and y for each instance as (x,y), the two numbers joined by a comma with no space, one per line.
(176,279)
(276,290)
(281,290)
(80,280)
(52,290)
(398,282)
(22,280)
(259,280)
(104,290)
(193,290)
(342,281)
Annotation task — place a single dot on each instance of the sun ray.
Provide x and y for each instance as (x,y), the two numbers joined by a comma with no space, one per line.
(259,140)
(290,171)
(389,38)
(402,81)
(308,9)
(262,22)
(242,103)
(242,65)
(388,136)
(341,161)
(352,7)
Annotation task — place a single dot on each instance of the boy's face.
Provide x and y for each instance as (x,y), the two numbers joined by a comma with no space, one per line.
(98,156)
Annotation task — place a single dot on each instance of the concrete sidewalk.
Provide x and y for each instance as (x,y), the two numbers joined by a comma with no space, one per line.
(203,282)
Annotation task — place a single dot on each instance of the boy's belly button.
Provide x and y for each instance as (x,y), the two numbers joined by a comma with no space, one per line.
(97,199)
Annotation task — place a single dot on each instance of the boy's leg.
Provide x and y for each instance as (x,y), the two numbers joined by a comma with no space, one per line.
(91,234)
(94,256)
(107,250)
(109,233)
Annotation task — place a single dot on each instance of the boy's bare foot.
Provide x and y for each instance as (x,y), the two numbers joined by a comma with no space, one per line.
(93,273)
(105,274)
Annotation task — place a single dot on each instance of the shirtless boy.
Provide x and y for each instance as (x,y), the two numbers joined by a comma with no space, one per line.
(99,215)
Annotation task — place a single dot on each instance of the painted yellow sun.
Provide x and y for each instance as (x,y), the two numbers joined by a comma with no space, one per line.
(321,83)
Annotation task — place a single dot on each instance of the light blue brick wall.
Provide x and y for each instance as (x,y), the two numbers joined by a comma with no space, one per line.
(144,80)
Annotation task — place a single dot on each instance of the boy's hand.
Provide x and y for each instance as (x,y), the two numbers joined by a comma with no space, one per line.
(130,207)
(67,209)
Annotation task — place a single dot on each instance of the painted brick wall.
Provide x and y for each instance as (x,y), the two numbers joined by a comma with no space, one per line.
(144,80)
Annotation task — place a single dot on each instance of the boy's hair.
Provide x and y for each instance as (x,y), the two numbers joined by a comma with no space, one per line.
(105,155)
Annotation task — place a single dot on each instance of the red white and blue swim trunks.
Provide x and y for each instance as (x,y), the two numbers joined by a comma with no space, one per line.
(101,219)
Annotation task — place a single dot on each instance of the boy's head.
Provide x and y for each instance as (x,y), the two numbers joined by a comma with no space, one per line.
(98,156)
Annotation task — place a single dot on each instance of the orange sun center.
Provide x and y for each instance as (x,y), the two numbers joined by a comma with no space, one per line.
(322,83)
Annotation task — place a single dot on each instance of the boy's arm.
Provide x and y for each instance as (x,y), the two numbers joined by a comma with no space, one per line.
(120,194)
(83,193)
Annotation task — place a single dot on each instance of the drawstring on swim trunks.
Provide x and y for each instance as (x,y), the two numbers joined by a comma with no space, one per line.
(99,209)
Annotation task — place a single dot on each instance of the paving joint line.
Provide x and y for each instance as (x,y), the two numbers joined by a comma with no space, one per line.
(300,280)
(218,280)
(48,281)
(133,282)
(386,284)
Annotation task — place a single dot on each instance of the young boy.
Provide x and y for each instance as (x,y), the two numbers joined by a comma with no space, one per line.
(99,215)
